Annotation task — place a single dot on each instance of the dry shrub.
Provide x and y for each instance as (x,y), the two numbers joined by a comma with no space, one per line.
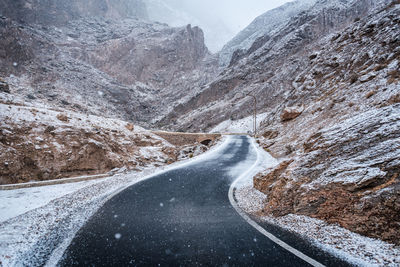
(370,94)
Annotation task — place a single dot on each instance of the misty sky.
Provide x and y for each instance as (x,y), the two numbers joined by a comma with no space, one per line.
(237,14)
(221,20)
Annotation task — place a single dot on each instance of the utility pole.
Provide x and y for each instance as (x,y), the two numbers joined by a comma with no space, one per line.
(255,115)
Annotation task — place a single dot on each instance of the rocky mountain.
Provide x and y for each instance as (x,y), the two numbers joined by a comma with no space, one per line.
(264,24)
(328,84)
(59,12)
(343,166)
(269,67)
(77,77)
(325,75)
(125,68)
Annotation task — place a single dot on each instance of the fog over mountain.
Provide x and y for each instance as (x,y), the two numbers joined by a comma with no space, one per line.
(220,20)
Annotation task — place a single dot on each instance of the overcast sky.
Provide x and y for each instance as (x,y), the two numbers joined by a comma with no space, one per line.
(221,20)
(237,14)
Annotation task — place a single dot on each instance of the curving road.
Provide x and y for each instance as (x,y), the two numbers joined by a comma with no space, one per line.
(183,218)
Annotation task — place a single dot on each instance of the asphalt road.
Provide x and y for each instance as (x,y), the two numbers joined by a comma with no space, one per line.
(183,218)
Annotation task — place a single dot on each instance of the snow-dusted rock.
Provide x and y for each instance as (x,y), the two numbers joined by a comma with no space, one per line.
(101,63)
(263,25)
(347,174)
(290,113)
(60,12)
(42,144)
(299,63)
(4,87)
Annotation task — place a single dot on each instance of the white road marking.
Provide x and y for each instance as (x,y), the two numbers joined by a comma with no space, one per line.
(258,227)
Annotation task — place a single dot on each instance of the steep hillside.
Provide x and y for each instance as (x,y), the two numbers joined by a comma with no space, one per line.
(330,100)
(39,143)
(123,68)
(59,12)
(76,76)
(262,27)
(269,68)
(343,165)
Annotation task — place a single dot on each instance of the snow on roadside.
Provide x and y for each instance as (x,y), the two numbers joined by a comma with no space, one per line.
(29,239)
(28,114)
(16,202)
(239,126)
(40,236)
(354,248)
(255,163)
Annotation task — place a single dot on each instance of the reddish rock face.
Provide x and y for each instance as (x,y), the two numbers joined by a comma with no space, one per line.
(41,144)
(346,174)
(130,127)
(291,113)
(394,99)
(124,68)
(62,117)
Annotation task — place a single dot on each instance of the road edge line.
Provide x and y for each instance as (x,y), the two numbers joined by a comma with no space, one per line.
(58,252)
(270,236)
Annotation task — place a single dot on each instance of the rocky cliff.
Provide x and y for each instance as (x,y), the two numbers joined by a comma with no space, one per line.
(261,27)
(343,166)
(269,67)
(125,68)
(328,84)
(326,79)
(59,12)
(177,13)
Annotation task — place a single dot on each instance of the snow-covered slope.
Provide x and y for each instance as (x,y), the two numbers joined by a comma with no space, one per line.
(265,24)
(335,64)
(60,12)
(124,68)
(244,125)
(269,67)
(38,143)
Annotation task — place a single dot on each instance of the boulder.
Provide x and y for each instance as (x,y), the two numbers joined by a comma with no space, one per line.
(290,113)
(270,134)
(63,117)
(130,127)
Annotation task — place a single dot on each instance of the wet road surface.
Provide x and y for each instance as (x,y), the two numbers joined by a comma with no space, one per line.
(183,218)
